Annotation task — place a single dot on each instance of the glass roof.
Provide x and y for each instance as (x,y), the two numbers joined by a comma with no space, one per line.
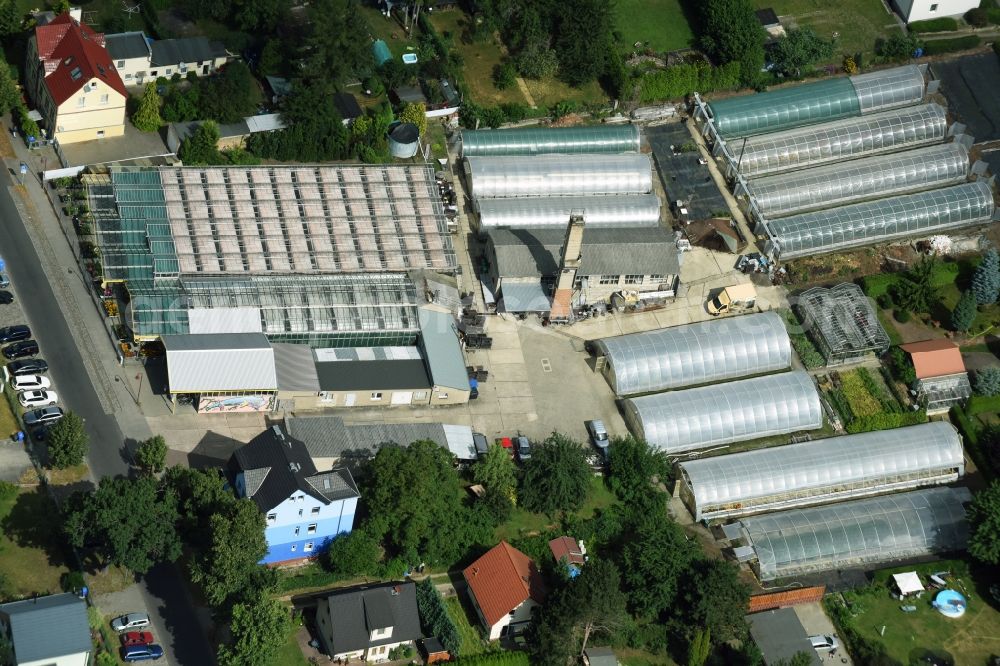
(641,210)
(560,175)
(539,141)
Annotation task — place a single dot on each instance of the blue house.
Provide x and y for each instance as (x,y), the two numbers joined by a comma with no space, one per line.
(305,509)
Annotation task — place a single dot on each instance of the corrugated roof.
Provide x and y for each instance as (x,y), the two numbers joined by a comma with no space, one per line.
(47,628)
(127,45)
(295,368)
(357,612)
(219,363)
(166,52)
(529,296)
(503,579)
(935,358)
(442,350)
(372,375)
(330,437)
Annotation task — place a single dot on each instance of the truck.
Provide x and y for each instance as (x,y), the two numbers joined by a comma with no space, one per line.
(737,298)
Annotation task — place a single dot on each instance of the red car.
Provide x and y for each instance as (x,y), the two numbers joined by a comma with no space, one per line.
(507,443)
(131,638)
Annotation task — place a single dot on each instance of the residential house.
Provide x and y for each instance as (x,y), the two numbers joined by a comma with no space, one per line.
(570,553)
(140,59)
(368,622)
(48,631)
(941,377)
(433,651)
(305,509)
(73,83)
(504,585)
(130,52)
(921,10)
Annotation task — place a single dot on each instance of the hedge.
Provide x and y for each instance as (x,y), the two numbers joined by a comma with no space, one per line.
(886,421)
(939,46)
(435,619)
(945,24)
(680,80)
(994,14)
(494,659)
(980,404)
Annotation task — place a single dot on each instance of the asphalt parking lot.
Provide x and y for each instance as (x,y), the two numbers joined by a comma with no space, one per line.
(972,87)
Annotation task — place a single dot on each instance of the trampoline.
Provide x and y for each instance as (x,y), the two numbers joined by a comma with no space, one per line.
(950,603)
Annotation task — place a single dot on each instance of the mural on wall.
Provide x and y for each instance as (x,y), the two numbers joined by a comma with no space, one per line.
(236,403)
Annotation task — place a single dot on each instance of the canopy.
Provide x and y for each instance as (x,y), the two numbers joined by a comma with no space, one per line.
(908,583)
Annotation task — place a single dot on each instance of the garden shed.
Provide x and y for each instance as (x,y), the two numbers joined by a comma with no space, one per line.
(693,354)
(842,322)
(559,175)
(720,414)
(822,471)
(639,210)
(860,533)
(942,380)
(546,140)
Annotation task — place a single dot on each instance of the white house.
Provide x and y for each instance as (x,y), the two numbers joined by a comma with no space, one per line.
(48,631)
(368,622)
(139,59)
(921,10)
(505,585)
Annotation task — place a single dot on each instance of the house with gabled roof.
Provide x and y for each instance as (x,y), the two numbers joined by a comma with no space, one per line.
(73,82)
(48,631)
(505,586)
(369,621)
(305,509)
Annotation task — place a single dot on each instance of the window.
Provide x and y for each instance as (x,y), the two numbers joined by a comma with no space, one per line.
(120,64)
(295,547)
(128,77)
(300,513)
(100,134)
(76,74)
(609,279)
(168,72)
(104,99)
(655,277)
(140,75)
(296,530)
(183,68)
(153,73)
(311,529)
(934,7)
(315,510)
(81,102)
(442,396)
(376,395)
(271,517)
(308,547)
(633,279)
(420,395)
(327,396)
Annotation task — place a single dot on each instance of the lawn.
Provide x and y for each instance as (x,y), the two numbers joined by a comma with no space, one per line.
(659,23)
(290,654)
(524,522)
(32,555)
(472,642)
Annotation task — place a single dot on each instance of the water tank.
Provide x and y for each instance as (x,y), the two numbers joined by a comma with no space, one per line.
(403,140)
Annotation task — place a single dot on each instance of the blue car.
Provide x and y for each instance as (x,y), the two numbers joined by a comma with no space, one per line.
(149,652)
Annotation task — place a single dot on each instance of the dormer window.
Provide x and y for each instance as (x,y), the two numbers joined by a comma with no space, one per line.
(271,517)
(75,74)
(68,60)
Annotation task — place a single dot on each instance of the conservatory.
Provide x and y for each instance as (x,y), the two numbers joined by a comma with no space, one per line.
(842,140)
(541,141)
(842,322)
(559,175)
(871,178)
(710,351)
(859,533)
(924,213)
(721,414)
(640,210)
(822,471)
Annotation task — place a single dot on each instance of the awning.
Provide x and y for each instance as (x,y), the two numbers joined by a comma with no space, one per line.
(524,297)
(908,582)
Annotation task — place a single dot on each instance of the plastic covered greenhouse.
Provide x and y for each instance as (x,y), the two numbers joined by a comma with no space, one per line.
(802,235)
(720,414)
(817,102)
(709,351)
(541,141)
(861,532)
(842,140)
(822,471)
(559,175)
(858,180)
(640,210)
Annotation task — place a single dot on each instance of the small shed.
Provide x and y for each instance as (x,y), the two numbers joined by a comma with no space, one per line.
(600,656)
(381,52)
(433,651)
(570,549)
(770,22)
(941,377)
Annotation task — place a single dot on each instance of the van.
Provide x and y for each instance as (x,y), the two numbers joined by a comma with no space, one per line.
(737,298)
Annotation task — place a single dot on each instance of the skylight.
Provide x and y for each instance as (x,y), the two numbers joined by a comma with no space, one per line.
(75,74)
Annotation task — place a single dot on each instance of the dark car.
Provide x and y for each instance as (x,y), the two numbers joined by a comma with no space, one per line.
(6,298)
(21,349)
(14,333)
(149,652)
(523,448)
(29,366)
(42,415)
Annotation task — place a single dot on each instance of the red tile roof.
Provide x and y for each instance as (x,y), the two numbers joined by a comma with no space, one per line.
(935,358)
(802,595)
(503,579)
(65,45)
(567,547)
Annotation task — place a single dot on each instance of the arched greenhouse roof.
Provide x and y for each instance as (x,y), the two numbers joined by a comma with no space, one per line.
(639,210)
(824,470)
(708,351)
(699,418)
(560,175)
(860,532)
(541,141)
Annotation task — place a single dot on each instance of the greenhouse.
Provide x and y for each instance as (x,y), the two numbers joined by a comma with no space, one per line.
(559,175)
(640,210)
(822,471)
(842,140)
(817,102)
(850,182)
(541,141)
(924,213)
(842,322)
(709,351)
(720,414)
(859,533)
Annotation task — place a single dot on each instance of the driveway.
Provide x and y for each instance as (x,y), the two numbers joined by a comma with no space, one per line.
(815,621)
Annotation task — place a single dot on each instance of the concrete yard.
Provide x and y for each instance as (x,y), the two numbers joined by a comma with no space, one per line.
(972,87)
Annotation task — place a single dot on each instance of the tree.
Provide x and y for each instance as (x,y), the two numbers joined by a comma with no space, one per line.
(964,313)
(132,522)
(800,48)
(584,40)
(537,61)
(632,466)
(977,17)
(147,117)
(897,47)
(259,627)
(10,19)
(504,75)
(68,442)
(416,114)
(336,50)
(236,544)
(259,15)
(10,96)
(202,146)
(181,105)
(496,472)
(699,648)
(200,495)
(986,279)
(653,558)
(316,131)
(715,598)
(151,455)
(916,291)
(732,33)
(986,381)
(229,96)
(984,524)
(557,477)
(353,554)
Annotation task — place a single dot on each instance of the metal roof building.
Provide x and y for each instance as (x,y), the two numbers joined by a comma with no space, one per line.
(822,231)
(559,175)
(642,210)
(49,629)
(541,141)
(220,363)
(710,351)
(859,533)
(699,418)
(858,180)
(822,471)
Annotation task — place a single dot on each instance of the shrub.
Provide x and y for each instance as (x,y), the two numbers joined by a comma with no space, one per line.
(987,382)
(939,46)
(902,368)
(964,425)
(901,315)
(8,491)
(504,76)
(435,619)
(882,421)
(944,24)
(977,17)
(514,112)
(849,65)
(964,313)
(680,80)
(993,14)
(884,301)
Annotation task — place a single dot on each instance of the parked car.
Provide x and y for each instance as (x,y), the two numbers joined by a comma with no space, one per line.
(598,436)
(523,448)
(21,349)
(4,282)
(29,366)
(43,415)
(824,643)
(130,638)
(150,652)
(30,382)
(6,298)
(481,443)
(130,621)
(507,443)
(14,333)
(40,398)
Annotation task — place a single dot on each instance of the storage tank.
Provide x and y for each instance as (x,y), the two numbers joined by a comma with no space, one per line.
(404,140)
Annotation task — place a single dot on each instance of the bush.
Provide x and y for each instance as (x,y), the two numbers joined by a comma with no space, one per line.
(504,76)
(986,382)
(939,46)
(944,24)
(977,17)
(902,368)
(901,315)
(884,301)
(681,80)
(884,421)
(8,491)
(964,425)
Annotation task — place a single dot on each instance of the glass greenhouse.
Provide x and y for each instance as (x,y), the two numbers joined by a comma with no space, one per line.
(802,235)
(842,322)
(559,175)
(698,418)
(858,180)
(540,141)
(817,102)
(642,210)
(858,533)
(822,471)
(709,351)
(842,140)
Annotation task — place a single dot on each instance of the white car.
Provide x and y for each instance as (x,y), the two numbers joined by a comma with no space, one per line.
(38,398)
(30,382)
(130,621)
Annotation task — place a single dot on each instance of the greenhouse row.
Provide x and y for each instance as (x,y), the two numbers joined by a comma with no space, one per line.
(559,175)
(640,210)
(842,140)
(859,532)
(548,140)
(716,415)
(693,354)
(858,180)
(965,205)
(817,102)
(822,471)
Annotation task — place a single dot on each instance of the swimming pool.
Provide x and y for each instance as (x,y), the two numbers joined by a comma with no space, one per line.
(950,603)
